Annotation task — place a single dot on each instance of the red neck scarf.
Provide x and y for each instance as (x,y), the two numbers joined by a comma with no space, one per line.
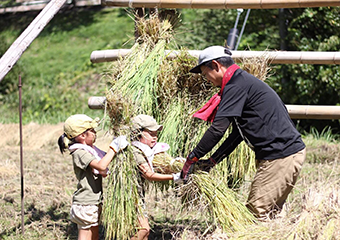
(208,111)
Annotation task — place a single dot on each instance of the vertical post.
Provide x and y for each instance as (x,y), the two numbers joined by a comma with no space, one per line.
(233,33)
(243,26)
(21,161)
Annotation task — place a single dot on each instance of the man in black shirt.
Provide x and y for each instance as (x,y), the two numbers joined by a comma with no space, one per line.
(258,117)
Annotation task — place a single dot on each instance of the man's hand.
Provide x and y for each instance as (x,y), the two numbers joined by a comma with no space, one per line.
(187,168)
(119,143)
(204,165)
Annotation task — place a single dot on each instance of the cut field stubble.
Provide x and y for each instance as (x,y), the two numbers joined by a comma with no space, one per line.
(312,210)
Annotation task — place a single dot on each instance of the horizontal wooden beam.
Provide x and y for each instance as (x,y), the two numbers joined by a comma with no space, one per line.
(275,57)
(295,111)
(313,112)
(96,102)
(222,4)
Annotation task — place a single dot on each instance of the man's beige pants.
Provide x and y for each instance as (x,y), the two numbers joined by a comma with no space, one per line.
(273,181)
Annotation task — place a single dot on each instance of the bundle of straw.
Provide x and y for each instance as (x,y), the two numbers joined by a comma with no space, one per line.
(164,163)
(209,193)
(121,209)
(240,163)
(212,195)
(258,66)
(133,91)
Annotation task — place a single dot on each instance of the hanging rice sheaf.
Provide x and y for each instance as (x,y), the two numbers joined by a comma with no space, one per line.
(120,209)
(146,82)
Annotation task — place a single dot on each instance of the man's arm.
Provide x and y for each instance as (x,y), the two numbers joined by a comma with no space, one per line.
(228,146)
(211,137)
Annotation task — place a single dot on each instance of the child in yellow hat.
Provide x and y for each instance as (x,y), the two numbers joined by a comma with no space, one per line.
(90,165)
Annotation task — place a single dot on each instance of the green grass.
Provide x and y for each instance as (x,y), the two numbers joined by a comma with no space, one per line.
(56,71)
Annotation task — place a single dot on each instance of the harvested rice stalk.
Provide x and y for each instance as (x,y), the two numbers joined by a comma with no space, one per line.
(164,163)
(153,29)
(241,163)
(202,191)
(119,108)
(141,86)
(121,209)
(258,66)
(211,194)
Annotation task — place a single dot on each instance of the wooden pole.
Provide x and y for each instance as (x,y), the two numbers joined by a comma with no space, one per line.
(222,4)
(295,111)
(313,112)
(12,55)
(96,102)
(277,57)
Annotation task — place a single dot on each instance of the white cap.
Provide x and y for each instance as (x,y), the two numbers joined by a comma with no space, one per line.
(209,54)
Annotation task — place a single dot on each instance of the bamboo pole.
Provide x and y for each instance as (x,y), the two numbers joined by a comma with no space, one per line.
(275,57)
(222,4)
(295,111)
(12,55)
(313,112)
(96,102)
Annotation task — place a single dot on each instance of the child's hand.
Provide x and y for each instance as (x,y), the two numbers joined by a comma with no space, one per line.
(176,177)
(119,143)
(103,173)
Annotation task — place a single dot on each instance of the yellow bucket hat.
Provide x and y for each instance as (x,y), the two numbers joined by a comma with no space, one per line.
(79,123)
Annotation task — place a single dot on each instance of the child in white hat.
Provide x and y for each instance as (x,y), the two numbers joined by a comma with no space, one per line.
(89,164)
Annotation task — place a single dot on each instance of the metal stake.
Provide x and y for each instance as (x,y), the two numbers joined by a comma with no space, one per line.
(21,160)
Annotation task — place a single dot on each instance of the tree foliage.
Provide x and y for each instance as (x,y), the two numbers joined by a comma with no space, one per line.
(306,29)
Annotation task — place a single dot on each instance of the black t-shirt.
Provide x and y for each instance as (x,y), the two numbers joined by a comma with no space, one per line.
(258,113)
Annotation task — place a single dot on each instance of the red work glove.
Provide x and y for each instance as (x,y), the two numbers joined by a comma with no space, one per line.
(188,165)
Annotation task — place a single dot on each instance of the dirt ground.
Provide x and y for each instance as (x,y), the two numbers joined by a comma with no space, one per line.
(313,207)
(48,181)
(35,136)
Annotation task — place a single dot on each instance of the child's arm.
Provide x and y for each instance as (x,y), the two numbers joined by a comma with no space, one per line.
(101,165)
(116,145)
(152,176)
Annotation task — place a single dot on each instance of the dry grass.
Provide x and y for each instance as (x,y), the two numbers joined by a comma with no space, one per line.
(258,66)
(312,209)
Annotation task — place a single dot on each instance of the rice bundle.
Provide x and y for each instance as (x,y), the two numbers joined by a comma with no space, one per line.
(164,163)
(241,163)
(209,193)
(257,66)
(121,207)
(133,91)
(212,195)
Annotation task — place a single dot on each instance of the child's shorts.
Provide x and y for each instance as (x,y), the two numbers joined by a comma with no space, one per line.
(85,216)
